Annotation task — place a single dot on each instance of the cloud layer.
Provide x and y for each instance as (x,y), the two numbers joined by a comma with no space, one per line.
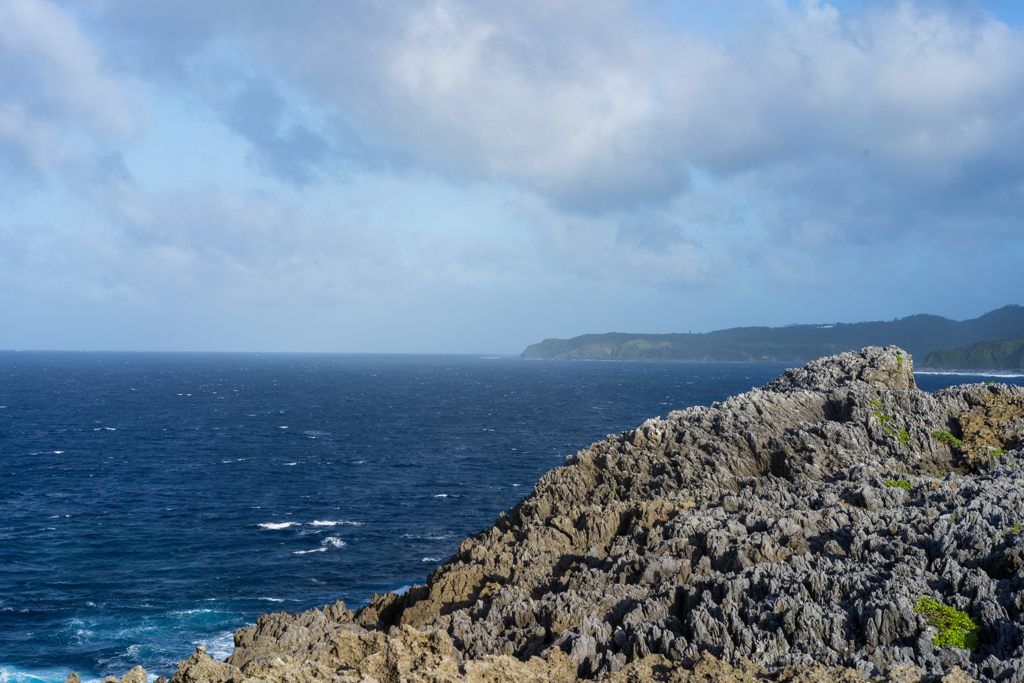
(606,147)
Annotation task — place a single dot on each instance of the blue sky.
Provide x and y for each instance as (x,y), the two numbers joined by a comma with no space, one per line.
(447,176)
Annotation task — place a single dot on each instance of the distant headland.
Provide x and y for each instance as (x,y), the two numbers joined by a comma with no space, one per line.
(993,341)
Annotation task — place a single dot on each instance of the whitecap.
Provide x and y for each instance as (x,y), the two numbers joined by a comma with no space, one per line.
(283,427)
(221,647)
(291,464)
(968,373)
(306,552)
(441,495)
(191,611)
(273,599)
(278,525)
(57,452)
(318,522)
(333,542)
(431,559)
(13,675)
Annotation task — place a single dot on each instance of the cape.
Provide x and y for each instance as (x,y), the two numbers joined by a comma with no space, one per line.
(837,524)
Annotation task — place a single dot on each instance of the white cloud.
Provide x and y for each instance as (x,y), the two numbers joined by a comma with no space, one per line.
(597,107)
(57,99)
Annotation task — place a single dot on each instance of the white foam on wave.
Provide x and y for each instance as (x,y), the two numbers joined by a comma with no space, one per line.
(221,646)
(431,559)
(324,522)
(11,674)
(966,373)
(306,552)
(191,611)
(57,452)
(333,542)
(441,495)
(278,525)
(273,599)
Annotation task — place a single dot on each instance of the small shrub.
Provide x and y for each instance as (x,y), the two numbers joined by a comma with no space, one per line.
(946,438)
(904,436)
(877,404)
(956,629)
(898,483)
(991,381)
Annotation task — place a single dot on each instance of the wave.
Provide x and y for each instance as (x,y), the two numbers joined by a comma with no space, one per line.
(279,525)
(969,373)
(431,559)
(221,646)
(307,552)
(178,613)
(12,674)
(273,599)
(333,542)
(318,522)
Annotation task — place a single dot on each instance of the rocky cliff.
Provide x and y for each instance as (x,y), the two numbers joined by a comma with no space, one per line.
(786,534)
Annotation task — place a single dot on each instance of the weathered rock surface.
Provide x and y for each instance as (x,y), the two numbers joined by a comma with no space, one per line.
(755,539)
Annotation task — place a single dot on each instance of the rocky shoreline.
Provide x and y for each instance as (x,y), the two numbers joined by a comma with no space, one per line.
(786,534)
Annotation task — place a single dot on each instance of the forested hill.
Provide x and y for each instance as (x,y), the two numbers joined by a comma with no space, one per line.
(918,334)
(987,355)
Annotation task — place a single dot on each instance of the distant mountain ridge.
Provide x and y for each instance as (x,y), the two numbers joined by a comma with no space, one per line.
(917,334)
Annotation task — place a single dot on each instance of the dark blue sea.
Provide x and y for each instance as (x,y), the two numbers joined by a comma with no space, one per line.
(150,503)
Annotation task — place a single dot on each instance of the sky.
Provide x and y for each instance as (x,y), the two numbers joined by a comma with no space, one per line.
(446,176)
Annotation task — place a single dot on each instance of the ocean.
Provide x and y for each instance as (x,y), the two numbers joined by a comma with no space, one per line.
(150,503)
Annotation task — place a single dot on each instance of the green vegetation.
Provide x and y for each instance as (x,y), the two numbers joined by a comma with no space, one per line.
(918,335)
(898,483)
(946,438)
(984,355)
(885,420)
(877,404)
(956,629)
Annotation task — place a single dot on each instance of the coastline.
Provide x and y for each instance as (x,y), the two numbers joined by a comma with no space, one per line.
(607,527)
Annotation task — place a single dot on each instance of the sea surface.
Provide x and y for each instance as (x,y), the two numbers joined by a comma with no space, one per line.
(150,503)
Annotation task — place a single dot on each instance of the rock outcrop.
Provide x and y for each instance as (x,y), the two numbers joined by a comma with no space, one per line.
(786,534)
